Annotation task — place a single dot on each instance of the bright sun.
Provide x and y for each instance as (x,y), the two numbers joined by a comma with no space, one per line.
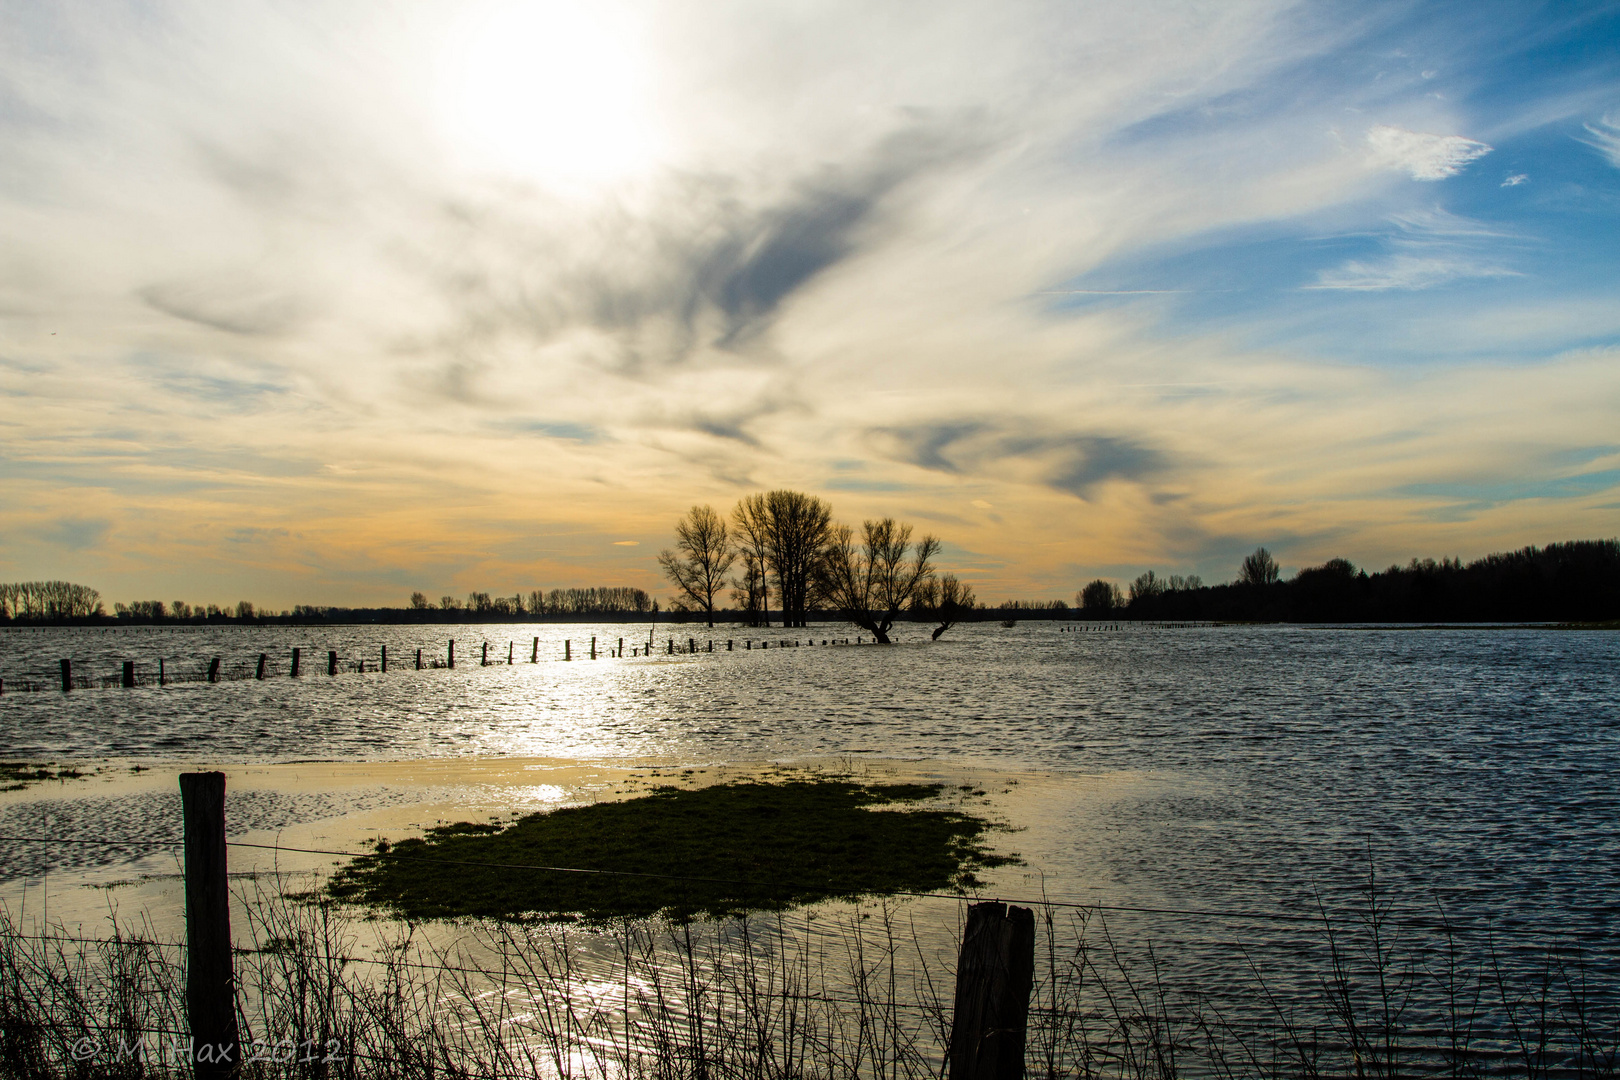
(556,91)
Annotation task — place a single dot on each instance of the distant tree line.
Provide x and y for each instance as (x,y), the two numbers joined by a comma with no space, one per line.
(48,601)
(1576,581)
(538,603)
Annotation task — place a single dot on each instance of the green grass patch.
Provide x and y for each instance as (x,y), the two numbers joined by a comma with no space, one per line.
(16,775)
(714,851)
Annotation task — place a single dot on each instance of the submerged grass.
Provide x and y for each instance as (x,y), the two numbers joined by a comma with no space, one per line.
(714,851)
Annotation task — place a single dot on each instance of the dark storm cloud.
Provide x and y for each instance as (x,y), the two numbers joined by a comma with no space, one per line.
(1071,463)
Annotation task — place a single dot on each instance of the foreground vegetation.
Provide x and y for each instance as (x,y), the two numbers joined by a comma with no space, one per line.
(856,992)
(714,851)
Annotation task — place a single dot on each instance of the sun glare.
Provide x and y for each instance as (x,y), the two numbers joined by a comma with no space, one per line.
(553,91)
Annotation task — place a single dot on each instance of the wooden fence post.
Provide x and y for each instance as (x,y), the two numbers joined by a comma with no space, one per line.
(129,674)
(994,974)
(452,653)
(295,662)
(593,646)
(163,676)
(510,645)
(67,675)
(568,649)
(213,670)
(483,660)
(331,661)
(210,982)
(534,657)
(384,665)
(418,659)
(264,658)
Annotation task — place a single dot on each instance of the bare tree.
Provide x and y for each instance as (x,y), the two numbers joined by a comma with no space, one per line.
(1099,598)
(751,521)
(1259,569)
(703,557)
(955,599)
(872,582)
(799,527)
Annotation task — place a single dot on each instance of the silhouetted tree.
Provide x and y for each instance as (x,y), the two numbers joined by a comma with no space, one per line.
(955,600)
(751,523)
(1259,569)
(1146,587)
(872,582)
(419,601)
(787,530)
(1099,598)
(703,557)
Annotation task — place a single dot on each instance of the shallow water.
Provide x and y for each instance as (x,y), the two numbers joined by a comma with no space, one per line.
(1244,770)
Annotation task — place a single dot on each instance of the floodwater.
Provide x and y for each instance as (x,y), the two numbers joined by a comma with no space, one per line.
(1247,772)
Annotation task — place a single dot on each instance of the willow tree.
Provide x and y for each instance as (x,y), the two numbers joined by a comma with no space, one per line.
(699,565)
(872,581)
(785,532)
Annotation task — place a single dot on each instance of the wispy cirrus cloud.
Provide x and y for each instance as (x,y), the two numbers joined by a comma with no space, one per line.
(1405,272)
(1421,155)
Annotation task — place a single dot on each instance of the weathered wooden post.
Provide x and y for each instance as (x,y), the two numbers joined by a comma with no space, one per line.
(994,974)
(534,657)
(67,675)
(509,647)
(213,670)
(750,644)
(418,659)
(452,653)
(296,651)
(691,645)
(264,658)
(331,661)
(210,982)
(711,645)
(483,660)
(163,676)
(593,646)
(129,674)
(728,644)
(383,666)
(671,646)
(568,649)
(621,649)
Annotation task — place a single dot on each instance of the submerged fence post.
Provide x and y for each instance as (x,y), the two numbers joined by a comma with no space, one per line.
(295,662)
(213,670)
(484,659)
(384,665)
(452,652)
(331,661)
(418,659)
(620,653)
(67,675)
(593,646)
(534,657)
(264,658)
(129,674)
(163,676)
(210,982)
(994,974)
(509,647)
(568,649)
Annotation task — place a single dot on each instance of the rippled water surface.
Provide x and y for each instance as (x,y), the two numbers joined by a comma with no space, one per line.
(1240,769)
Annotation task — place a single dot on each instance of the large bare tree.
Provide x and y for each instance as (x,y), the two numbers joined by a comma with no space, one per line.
(702,558)
(751,532)
(782,532)
(870,582)
(799,528)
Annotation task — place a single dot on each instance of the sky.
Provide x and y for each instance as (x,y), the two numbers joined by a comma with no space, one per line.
(326,302)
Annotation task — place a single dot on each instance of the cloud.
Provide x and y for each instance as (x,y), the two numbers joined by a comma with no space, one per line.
(76,533)
(1604,137)
(1424,156)
(235,307)
(1405,272)
(1074,463)
(1515,180)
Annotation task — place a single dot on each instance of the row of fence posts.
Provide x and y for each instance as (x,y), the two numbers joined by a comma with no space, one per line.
(261,670)
(994,972)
